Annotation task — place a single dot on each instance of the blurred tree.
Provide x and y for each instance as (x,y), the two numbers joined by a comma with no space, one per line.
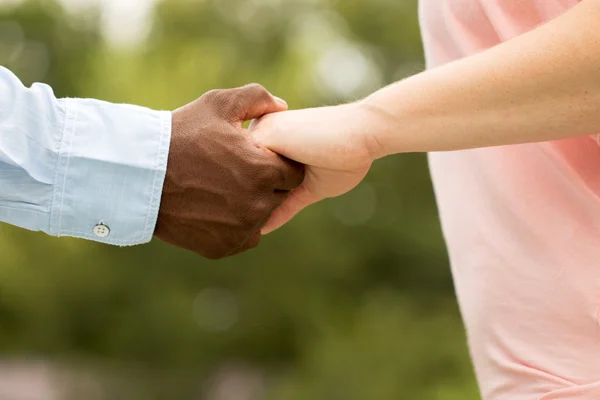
(41,42)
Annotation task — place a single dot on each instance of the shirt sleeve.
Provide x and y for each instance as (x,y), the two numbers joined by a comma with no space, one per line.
(80,167)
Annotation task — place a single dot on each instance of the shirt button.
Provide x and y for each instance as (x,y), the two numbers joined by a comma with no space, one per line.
(101,230)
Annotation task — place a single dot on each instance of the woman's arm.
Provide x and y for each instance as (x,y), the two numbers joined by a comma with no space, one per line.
(540,86)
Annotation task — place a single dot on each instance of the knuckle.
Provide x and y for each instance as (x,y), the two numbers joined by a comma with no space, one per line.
(264,180)
(256,214)
(253,242)
(299,170)
(292,171)
(257,91)
(280,176)
(255,88)
(228,244)
(237,240)
(263,207)
(285,172)
(211,96)
(268,176)
(230,105)
(222,100)
(247,217)
(212,254)
(212,249)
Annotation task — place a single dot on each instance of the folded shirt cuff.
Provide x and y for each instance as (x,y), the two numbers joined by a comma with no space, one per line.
(110,172)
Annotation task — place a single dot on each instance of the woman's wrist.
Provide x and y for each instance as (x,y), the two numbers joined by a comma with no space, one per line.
(379,128)
(351,124)
(368,128)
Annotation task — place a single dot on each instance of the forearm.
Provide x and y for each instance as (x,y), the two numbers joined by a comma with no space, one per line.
(541,86)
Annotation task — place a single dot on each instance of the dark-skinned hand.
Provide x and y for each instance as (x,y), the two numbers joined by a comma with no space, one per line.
(221,187)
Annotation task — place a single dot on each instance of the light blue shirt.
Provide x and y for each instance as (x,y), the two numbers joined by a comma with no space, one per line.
(80,167)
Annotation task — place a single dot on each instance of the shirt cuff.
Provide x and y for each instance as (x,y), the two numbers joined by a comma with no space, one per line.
(110,172)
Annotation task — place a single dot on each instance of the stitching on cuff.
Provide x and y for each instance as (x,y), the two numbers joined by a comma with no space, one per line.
(160,168)
(54,228)
(71,135)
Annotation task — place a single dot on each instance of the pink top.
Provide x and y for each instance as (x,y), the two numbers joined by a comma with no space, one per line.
(522,225)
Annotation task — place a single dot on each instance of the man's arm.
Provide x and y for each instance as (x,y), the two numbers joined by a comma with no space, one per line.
(543,85)
(96,170)
(71,166)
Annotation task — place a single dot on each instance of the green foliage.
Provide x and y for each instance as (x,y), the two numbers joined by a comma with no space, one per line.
(351,300)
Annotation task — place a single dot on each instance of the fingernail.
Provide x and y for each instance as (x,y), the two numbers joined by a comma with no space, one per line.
(280,101)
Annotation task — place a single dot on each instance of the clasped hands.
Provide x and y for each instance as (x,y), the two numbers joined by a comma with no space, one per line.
(225,185)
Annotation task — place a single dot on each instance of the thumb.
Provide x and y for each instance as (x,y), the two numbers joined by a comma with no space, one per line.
(298,199)
(254,101)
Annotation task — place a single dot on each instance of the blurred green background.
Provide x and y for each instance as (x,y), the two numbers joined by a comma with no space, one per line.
(352,300)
